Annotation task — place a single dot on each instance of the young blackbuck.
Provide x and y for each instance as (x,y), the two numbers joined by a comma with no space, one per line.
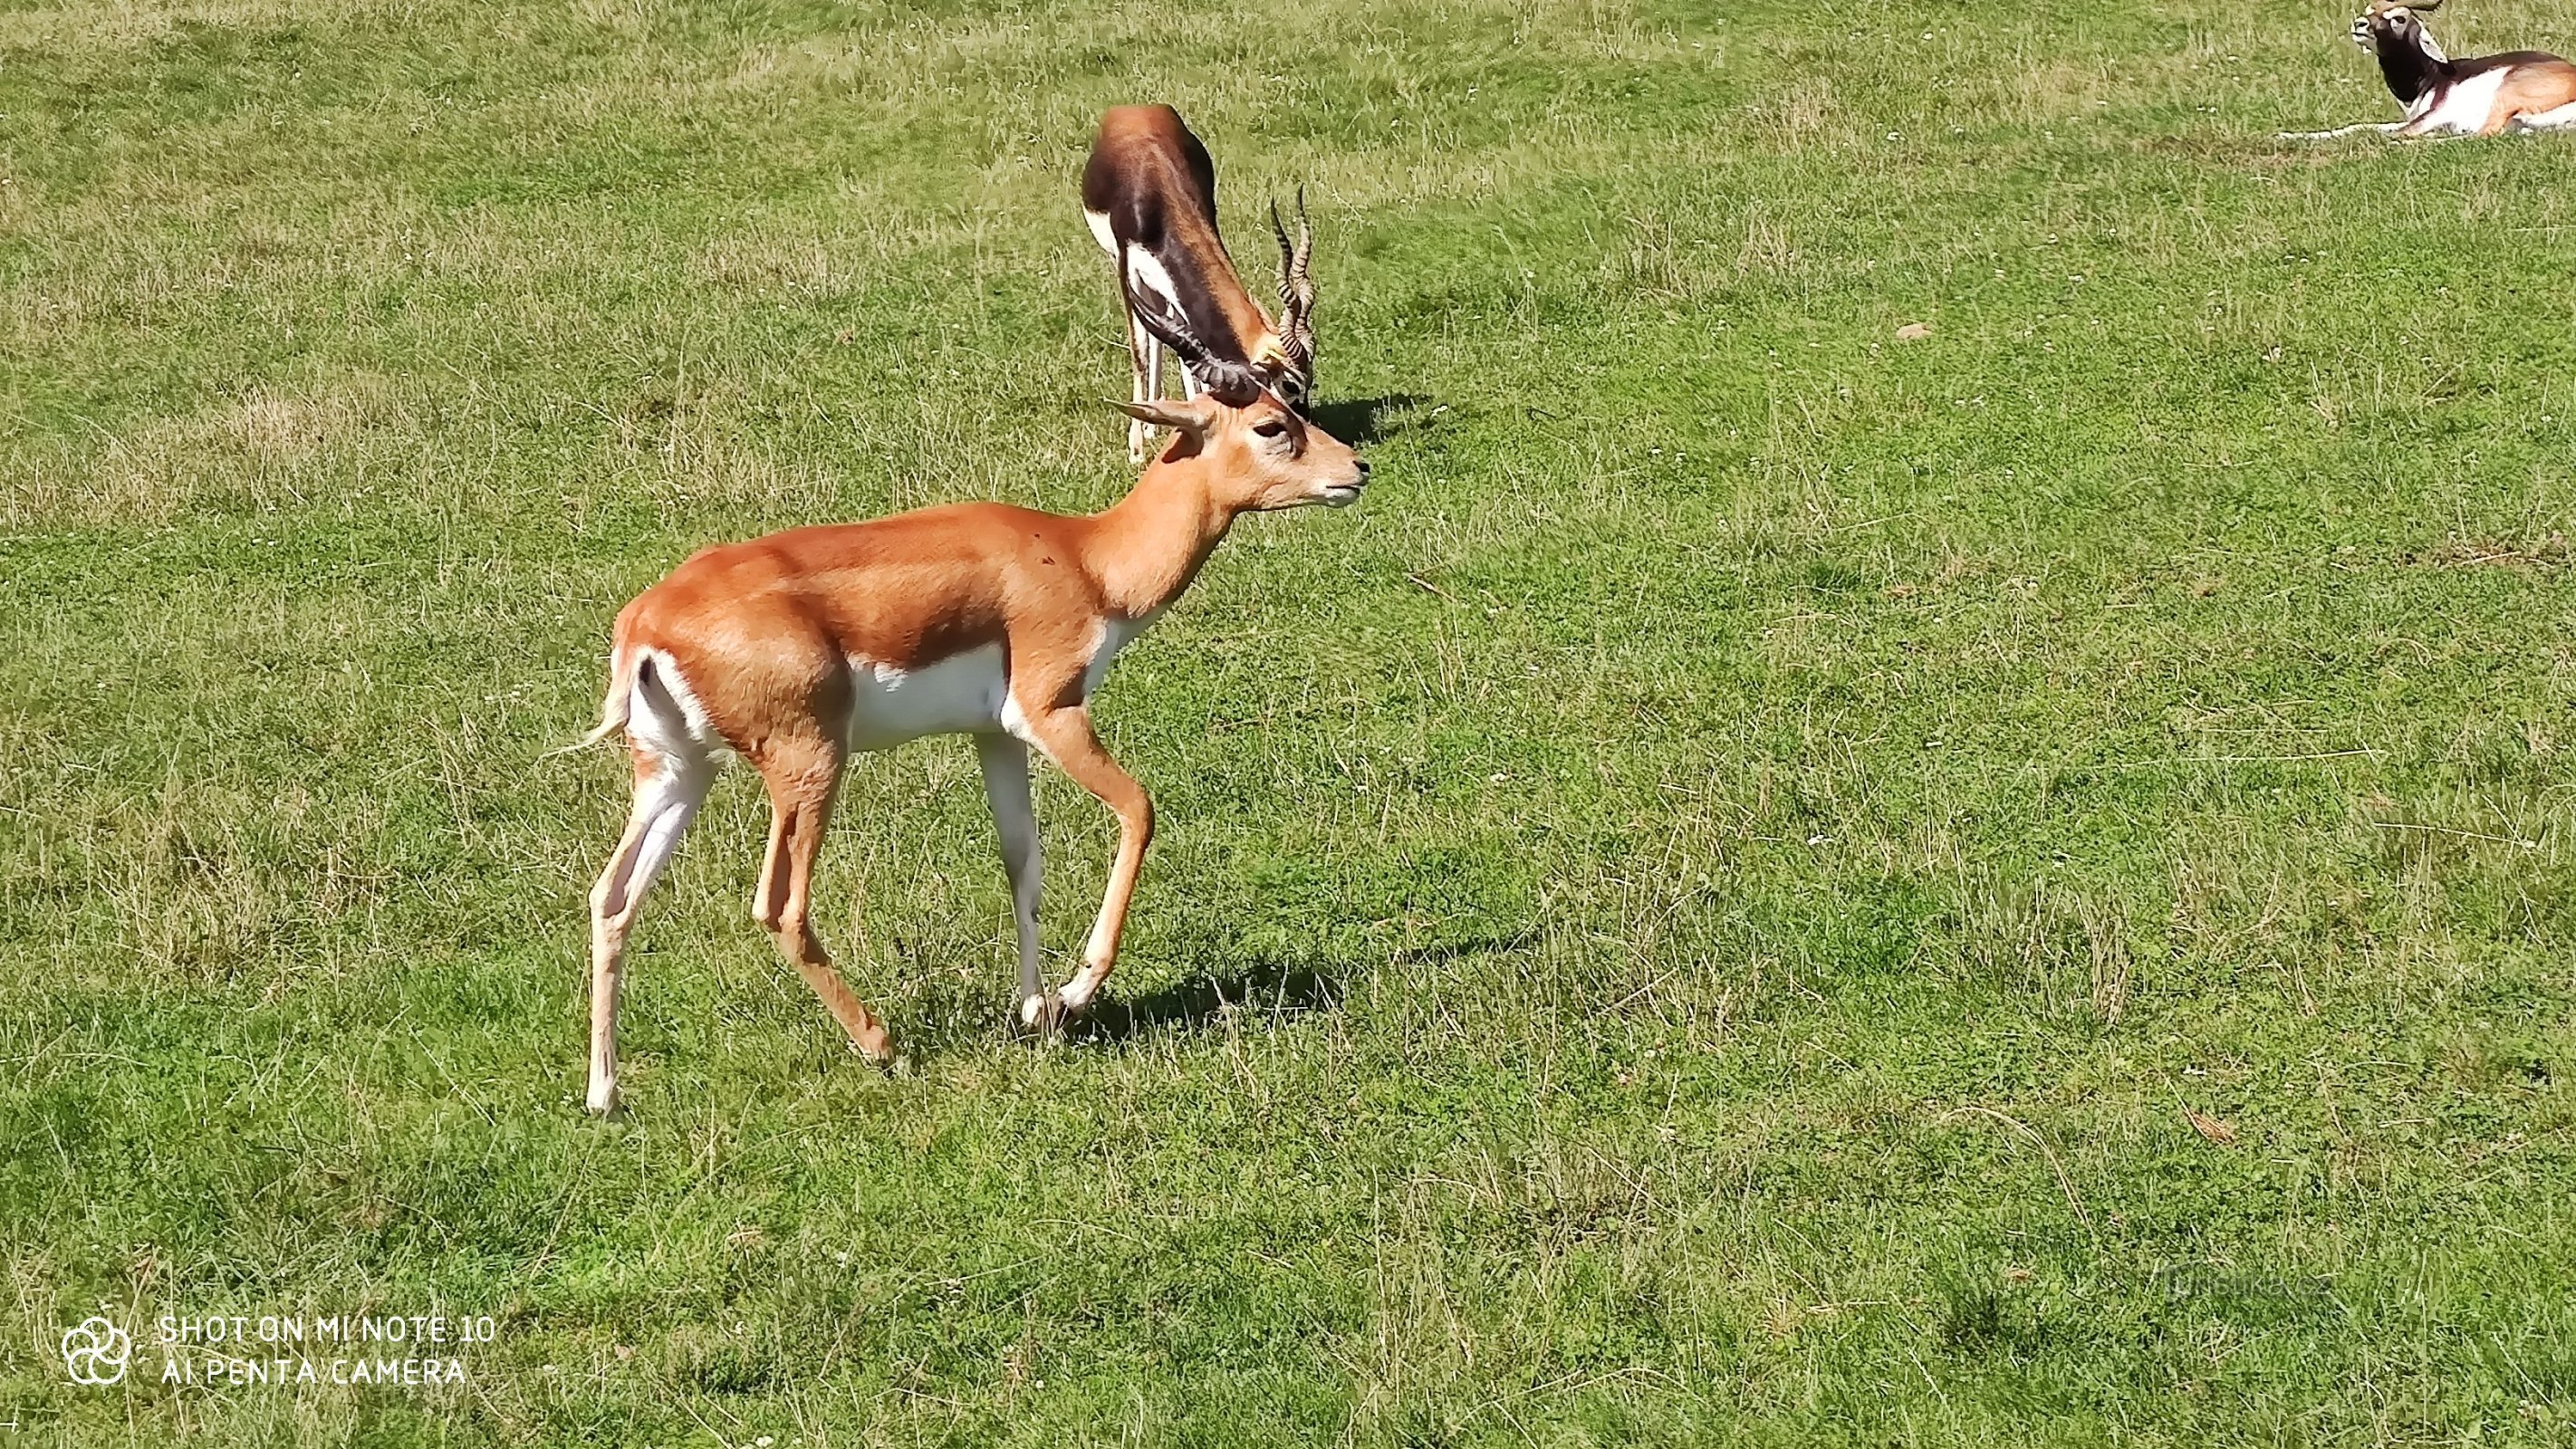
(2519,90)
(1149,193)
(977,618)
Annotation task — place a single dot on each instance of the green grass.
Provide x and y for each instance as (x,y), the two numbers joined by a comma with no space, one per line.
(1697,913)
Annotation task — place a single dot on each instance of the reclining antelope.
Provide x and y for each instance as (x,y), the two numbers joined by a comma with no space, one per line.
(2518,90)
(984,619)
(1149,192)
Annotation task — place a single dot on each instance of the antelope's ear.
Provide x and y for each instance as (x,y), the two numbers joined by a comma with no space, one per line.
(1164,413)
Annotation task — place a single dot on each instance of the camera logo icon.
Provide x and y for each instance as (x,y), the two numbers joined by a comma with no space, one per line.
(94,1352)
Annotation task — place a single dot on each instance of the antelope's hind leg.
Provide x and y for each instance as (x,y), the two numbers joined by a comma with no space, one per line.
(2557,119)
(670,783)
(803,773)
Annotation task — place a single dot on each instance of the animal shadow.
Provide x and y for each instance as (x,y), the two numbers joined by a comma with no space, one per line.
(1265,989)
(1491,944)
(1365,420)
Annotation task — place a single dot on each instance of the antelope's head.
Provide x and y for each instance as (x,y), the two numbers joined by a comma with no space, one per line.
(1264,456)
(1267,456)
(2389,24)
(1289,358)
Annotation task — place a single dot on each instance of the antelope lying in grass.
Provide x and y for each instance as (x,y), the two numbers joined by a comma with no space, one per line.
(977,618)
(2519,90)
(1149,192)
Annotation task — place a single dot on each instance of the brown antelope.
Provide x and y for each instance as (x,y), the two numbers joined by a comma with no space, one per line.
(976,618)
(1149,193)
(2519,90)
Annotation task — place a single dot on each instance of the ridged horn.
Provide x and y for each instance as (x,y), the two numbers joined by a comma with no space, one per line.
(1296,288)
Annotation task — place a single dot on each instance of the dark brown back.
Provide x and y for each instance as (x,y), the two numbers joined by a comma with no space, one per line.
(1155,183)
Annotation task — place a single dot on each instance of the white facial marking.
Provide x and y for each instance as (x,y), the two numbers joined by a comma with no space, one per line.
(1100,231)
(959,694)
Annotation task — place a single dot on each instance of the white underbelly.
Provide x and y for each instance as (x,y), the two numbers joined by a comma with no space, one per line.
(2466,106)
(961,694)
(967,693)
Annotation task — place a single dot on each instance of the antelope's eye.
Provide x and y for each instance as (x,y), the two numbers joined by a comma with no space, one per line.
(1270,428)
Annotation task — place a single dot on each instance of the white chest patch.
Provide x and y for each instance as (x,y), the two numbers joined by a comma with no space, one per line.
(1100,231)
(960,694)
(1115,634)
(2464,107)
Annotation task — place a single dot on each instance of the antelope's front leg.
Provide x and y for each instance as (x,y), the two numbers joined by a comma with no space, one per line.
(2430,126)
(1068,739)
(1006,789)
(2382,127)
(1148,383)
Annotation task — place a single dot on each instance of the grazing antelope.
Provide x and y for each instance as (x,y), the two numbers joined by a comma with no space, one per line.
(977,618)
(1149,192)
(2519,90)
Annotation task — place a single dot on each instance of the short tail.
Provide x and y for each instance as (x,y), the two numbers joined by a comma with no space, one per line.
(622,666)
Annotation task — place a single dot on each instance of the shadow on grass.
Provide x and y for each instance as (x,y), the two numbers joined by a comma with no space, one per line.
(946,1014)
(1447,951)
(1365,420)
(950,1013)
(1267,989)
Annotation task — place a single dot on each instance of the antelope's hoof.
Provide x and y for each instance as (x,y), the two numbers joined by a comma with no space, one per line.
(1045,1014)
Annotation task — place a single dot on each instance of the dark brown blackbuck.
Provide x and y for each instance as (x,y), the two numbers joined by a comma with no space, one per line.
(1149,192)
(2517,90)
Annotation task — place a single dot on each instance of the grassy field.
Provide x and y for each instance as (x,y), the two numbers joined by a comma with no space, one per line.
(1772,885)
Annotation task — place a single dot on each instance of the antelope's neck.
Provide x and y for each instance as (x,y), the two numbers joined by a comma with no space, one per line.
(2410,72)
(1147,547)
